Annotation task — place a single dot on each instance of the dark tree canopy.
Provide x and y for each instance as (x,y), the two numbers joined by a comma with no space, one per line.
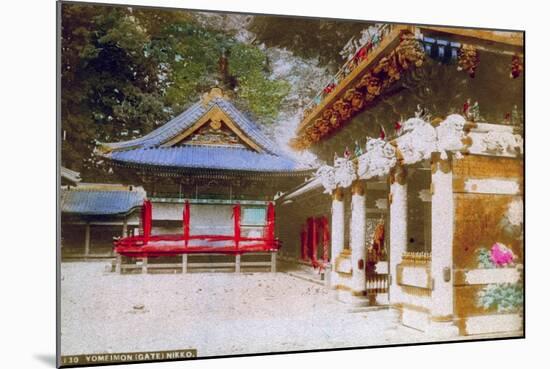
(308,37)
(125,71)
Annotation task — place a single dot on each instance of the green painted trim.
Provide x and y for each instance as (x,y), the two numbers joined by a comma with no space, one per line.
(207,201)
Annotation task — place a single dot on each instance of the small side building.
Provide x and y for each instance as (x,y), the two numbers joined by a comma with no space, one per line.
(94,214)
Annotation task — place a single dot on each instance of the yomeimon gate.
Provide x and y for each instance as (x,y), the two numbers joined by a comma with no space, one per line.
(210,175)
(423,132)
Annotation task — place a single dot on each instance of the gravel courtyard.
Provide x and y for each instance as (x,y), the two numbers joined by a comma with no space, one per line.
(216,313)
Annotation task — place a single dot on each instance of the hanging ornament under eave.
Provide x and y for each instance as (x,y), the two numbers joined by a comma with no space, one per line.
(516,67)
(468,60)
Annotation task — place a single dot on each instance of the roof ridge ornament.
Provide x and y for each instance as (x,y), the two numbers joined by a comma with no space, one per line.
(212,94)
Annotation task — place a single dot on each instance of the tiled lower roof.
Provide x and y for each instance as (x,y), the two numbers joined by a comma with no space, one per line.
(100,201)
(222,158)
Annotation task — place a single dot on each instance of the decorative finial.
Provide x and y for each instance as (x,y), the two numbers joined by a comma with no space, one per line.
(214,93)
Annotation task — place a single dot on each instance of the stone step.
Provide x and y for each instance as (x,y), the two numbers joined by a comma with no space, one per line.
(307,277)
(366,309)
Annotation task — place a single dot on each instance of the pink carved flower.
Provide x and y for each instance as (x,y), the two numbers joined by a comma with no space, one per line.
(501,255)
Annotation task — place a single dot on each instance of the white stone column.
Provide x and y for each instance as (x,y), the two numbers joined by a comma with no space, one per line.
(398,228)
(442,250)
(337,232)
(357,238)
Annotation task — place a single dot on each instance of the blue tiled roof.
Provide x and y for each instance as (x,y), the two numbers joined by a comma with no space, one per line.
(186,119)
(149,149)
(100,202)
(206,157)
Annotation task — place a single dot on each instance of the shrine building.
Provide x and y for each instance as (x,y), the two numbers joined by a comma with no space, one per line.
(210,175)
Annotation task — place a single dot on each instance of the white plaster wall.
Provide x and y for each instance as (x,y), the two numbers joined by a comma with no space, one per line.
(212,219)
(415,276)
(205,218)
(419,301)
(167,211)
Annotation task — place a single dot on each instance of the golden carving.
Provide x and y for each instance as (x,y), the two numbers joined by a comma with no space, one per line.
(216,124)
(399,175)
(212,115)
(468,59)
(358,188)
(338,194)
(437,163)
(408,53)
(436,121)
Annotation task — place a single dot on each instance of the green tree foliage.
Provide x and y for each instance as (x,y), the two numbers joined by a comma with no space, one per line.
(248,64)
(125,71)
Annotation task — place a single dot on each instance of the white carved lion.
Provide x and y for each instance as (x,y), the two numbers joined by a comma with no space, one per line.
(450,134)
(378,159)
(418,141)
(344,172)
(326,175)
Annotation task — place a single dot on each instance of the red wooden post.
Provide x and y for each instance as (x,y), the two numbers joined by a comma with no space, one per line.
(313,249)
(303,242)
(146,215)
(237,224)
(326,238)
(309,238)
(186,219)
(270,226)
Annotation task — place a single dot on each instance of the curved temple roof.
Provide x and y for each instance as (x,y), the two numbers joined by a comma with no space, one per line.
(170,146)
(101,199)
